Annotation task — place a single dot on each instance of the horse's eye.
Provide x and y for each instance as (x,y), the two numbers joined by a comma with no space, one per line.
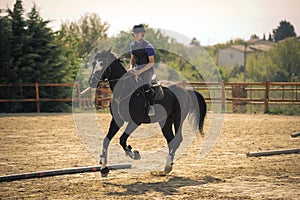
(94,63)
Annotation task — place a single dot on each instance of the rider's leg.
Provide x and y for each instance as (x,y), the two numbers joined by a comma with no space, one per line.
(149,93)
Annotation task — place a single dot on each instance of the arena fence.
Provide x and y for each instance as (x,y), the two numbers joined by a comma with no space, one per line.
(238,94)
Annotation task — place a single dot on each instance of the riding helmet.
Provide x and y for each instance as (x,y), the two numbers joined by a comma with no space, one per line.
(138,28)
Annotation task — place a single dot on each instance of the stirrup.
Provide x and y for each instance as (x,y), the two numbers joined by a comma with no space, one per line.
(151,111)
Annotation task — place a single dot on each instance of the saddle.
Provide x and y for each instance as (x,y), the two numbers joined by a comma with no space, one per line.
(157,88)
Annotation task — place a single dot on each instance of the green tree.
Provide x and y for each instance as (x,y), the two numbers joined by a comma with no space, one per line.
(69,45)
(281,63)
(286,55)
(270,37)
(255,69)
(45,58)
(32,52)
(236,41)
(17,40)
(92,31)
(37,51)
(5,50)
(89,31)
(121,44)
(284,30)
(225,73)
(237,71)
(254,37)
(261,68)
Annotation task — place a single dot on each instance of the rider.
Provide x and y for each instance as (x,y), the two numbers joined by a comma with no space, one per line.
(142,62)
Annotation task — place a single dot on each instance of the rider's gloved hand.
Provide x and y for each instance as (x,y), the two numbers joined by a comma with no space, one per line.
(132,70)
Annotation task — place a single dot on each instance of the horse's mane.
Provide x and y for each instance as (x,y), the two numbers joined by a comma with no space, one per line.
(118,58)
(115,57)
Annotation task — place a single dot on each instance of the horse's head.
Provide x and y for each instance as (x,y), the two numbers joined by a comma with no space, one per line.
(101,67)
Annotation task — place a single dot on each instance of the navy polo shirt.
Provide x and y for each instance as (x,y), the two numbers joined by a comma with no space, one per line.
(139,45)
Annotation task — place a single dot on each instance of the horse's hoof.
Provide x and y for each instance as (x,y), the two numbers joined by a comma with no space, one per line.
(137,155)
(104,172)
(158,173)
(168,168)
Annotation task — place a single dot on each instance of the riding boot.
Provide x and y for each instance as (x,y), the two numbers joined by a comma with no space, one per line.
(150,96)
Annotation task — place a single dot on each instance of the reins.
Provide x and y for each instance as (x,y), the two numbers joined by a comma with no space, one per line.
(116,80)
(119,99)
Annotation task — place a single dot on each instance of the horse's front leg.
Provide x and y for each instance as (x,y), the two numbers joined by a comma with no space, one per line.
(113,129)
(123,141)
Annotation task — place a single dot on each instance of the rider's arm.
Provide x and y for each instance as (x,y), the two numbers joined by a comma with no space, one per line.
(131,61)
(132,58)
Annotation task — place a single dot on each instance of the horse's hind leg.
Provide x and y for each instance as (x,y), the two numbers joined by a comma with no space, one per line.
(113,129)
(178,134)
(169,135)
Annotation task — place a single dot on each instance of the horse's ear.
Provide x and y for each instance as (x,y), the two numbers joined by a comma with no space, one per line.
(96,50)
(109,50)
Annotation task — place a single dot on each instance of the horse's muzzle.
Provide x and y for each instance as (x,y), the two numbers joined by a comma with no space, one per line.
(93,81)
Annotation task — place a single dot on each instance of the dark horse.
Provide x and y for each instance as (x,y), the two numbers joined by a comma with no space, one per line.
(129,104)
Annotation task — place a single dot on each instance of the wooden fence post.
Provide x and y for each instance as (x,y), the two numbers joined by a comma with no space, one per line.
(184,83)
(78,94)
(223,97)
(267,90)
(97,99)
(37,97)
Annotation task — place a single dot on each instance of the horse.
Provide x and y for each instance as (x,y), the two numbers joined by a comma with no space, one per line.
(129,104)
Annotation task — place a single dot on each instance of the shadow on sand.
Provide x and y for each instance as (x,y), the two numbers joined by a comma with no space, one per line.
(167,187)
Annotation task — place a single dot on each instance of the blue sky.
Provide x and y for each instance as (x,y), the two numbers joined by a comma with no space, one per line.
(210,21)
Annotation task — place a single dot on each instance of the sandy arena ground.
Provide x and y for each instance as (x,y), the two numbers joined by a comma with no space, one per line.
(33,142)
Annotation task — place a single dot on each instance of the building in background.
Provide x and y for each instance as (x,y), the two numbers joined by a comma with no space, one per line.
(234,55)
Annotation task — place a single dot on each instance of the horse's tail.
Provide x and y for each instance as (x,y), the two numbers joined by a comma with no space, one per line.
(197,110)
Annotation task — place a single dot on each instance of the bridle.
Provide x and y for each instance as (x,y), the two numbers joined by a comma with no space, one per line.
(105,60)
(107,64)
(107,69)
